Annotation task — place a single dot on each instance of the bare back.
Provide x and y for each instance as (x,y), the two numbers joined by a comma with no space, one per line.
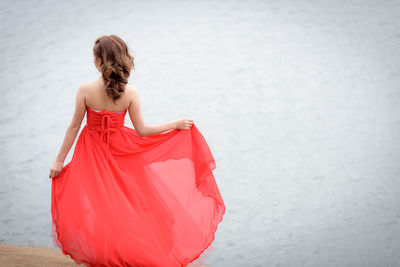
(96,97)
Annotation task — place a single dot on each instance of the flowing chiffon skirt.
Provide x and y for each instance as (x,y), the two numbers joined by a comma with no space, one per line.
(126,200)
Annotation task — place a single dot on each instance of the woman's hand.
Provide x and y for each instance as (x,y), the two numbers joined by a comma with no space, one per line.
(184,123)
(56,169)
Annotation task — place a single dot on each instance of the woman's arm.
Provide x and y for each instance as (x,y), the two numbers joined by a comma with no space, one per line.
(145,130)
(71,133)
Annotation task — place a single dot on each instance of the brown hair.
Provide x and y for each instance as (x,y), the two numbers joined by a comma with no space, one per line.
(116,63)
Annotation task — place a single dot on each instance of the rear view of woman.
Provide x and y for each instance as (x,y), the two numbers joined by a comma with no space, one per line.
(131,197)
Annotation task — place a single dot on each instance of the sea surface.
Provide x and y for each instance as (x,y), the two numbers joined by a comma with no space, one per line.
(299,102)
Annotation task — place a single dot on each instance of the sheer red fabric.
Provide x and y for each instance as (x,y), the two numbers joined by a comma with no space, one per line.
(126,200)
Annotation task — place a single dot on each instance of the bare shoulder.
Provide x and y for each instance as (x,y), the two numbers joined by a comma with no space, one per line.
(132,93)
(82,91)
(86,87)
(89,88)
(131,90)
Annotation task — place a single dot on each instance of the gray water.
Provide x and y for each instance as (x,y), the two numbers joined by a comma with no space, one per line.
(298,100)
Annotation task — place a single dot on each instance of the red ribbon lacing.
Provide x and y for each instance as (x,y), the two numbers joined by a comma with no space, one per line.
(106,119)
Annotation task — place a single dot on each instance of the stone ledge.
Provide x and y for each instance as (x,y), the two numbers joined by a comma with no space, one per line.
(16,255)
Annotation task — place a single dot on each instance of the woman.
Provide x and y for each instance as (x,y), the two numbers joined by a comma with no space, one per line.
(131,197)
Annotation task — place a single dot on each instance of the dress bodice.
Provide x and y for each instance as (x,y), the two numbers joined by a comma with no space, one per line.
(99,119)
(105,121)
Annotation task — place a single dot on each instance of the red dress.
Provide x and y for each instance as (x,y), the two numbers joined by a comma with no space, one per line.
(126,200)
